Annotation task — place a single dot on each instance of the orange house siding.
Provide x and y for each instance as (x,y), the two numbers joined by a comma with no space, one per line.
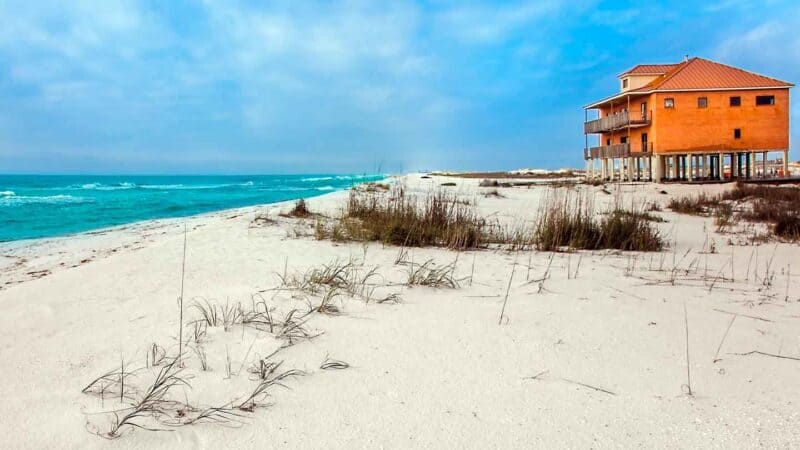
(687,127)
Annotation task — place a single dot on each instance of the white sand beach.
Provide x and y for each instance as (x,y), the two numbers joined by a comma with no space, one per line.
(593,356)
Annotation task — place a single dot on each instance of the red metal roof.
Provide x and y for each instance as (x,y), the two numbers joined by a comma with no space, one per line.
(650,69)
(699,73)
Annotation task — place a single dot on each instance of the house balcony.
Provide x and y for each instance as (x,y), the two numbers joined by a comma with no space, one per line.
(617,122)
(619,151)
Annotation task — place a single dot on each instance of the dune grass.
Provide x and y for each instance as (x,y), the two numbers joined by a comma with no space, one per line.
(777,206)
(569,222)
(438,219)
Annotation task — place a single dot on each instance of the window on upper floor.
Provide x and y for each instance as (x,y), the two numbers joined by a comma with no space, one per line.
(702,102)
(736,101)
(765,100)
(669,102)
(737,133)
(625,83)
(623,140)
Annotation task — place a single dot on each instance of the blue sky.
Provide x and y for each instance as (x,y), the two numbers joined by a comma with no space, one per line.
(302,86)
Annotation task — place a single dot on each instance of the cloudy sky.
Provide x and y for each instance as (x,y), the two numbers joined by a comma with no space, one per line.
(302,86)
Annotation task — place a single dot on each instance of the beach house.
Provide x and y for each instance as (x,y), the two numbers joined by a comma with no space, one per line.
(696,120)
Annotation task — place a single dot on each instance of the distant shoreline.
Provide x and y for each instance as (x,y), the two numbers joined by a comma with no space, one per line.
(42,207)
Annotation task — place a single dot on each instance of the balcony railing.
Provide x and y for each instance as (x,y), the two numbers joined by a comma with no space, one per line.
(615,122)
(618,151)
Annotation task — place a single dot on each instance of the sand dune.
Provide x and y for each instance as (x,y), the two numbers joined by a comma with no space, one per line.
(596,357)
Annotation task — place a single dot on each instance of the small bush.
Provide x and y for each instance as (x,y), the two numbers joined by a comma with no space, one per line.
(300,210)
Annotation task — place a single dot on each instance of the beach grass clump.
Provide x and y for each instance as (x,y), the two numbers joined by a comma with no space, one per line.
(438,219)
(299,210)
(430,275)
(777,206)
(697,205)
(569,222)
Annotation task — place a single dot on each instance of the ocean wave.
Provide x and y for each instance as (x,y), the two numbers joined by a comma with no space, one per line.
(325,188)
(7,193)
(103,187)
(194,186)
(316,179)
(13,200)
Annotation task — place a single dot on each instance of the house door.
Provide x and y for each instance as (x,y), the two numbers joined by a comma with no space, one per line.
(644,142)
(644,110)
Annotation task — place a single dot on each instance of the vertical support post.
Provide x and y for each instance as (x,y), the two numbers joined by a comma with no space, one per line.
(603,167)
(689,160)
(631,172)
(786,162)
(655,174)
(721,168)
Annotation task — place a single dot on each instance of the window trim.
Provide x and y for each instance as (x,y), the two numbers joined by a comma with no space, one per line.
(669,103)
(702,102)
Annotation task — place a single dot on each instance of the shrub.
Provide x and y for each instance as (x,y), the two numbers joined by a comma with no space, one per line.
(300,210)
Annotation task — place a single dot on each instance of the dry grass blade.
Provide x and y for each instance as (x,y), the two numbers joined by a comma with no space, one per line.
(772,355)
(110,383)
(427,274)
(209,313)
(152,403)
(333,364)
(262,389)
(598,389)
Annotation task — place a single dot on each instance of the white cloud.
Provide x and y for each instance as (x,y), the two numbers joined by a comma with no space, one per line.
(492,23)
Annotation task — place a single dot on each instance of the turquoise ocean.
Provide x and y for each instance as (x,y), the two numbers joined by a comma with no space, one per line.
(36,206)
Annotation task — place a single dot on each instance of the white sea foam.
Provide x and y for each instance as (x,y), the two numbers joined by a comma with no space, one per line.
(49,199)
(104,187)
(7,193)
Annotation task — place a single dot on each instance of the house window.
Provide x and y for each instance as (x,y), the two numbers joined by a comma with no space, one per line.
(625,83)
(764,100)
(737,133)
(623,140)
(702,102)
(669,103)
(608,141)
(736,101)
